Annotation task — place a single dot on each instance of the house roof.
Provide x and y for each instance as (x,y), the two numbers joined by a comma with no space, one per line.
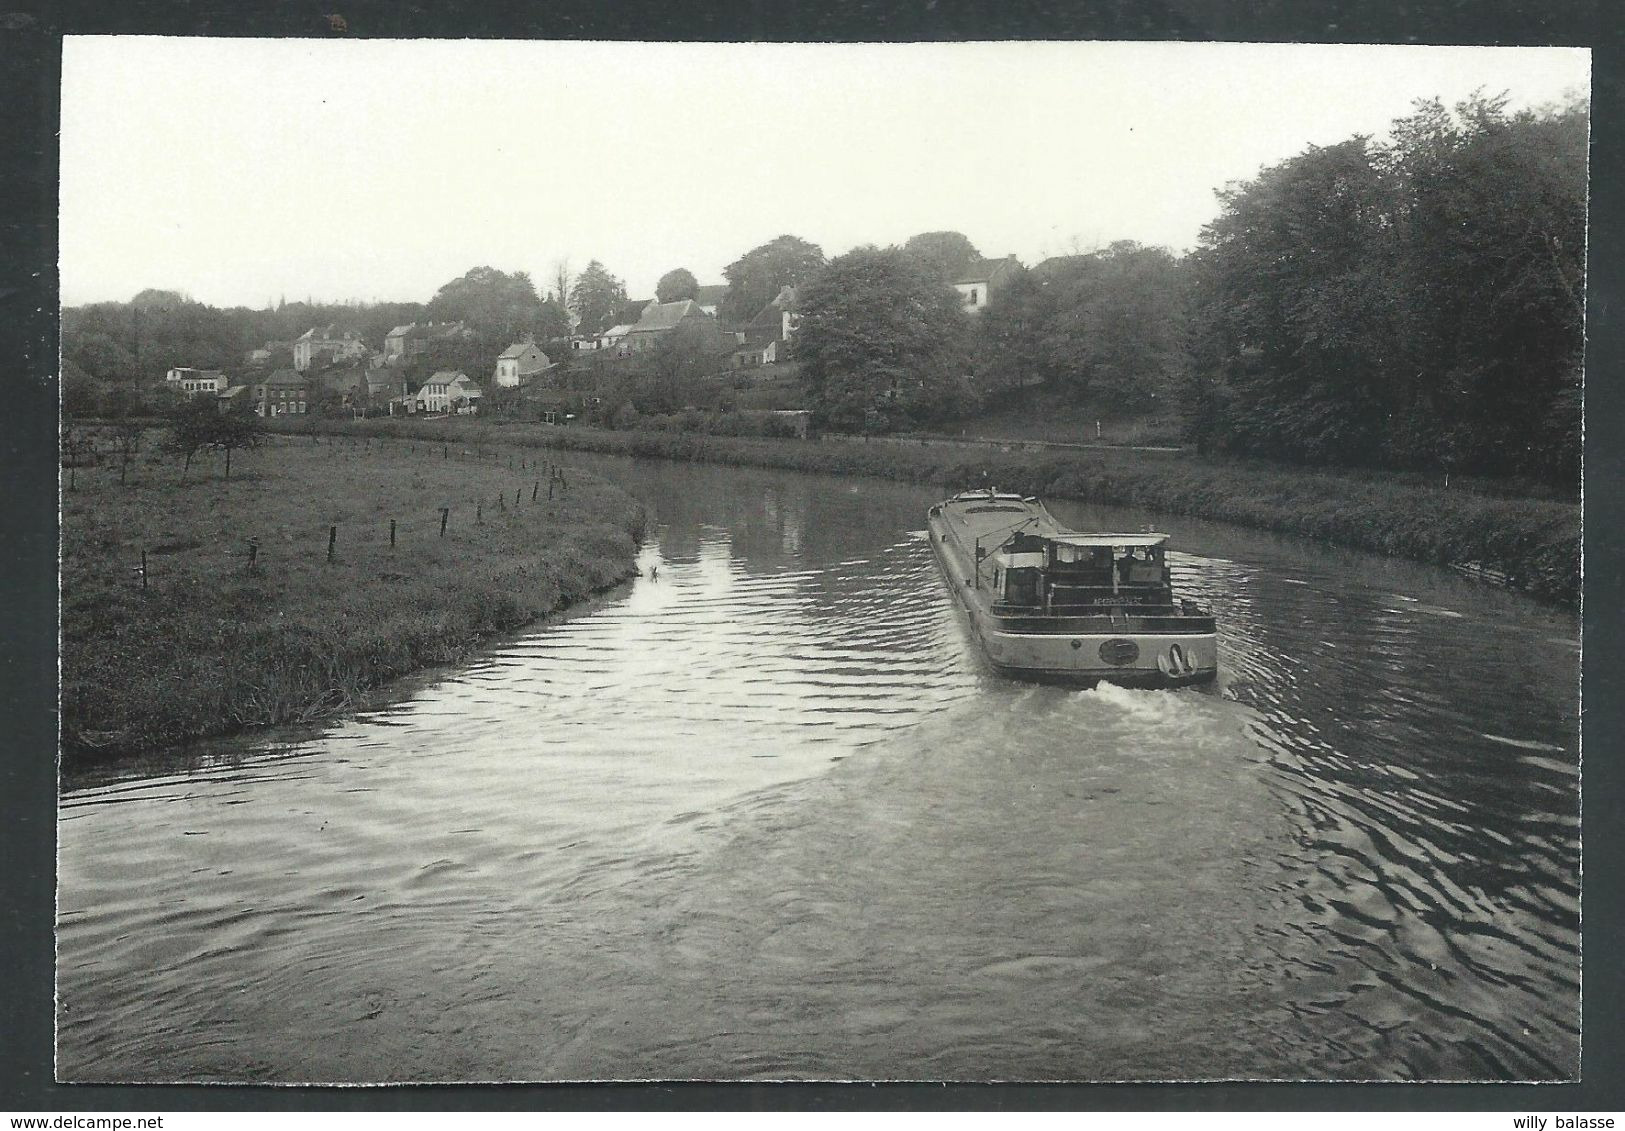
(328,333)
(447,375)
(284,377)
(618,331)
(665,315)
(425,330)
(984,269)
(460,380)
(771,315)
(518,349)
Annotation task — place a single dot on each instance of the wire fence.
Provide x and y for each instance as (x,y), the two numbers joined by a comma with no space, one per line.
(537,481)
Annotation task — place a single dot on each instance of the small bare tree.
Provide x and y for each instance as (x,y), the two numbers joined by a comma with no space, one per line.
(191,429)
(233,430)
(128,433)
(561,280)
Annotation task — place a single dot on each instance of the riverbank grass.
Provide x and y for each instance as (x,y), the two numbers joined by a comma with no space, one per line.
(1527,544)
(225,633)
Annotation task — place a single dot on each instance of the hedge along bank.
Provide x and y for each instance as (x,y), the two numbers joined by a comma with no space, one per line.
(1532,545)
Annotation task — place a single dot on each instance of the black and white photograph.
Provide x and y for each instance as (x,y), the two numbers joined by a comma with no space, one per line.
(1018,561)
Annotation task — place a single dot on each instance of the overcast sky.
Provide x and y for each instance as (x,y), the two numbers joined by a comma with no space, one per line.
(241,171)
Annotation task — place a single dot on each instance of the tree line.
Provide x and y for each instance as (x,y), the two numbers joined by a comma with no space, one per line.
(1410,303)
(1415,303)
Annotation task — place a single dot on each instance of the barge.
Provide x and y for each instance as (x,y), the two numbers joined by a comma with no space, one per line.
(1059,605)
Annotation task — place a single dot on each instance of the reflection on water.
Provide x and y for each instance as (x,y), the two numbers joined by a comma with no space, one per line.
(765,814)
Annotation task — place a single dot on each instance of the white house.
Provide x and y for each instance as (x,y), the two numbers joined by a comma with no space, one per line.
(519,362)
(194,381)
(449,391)
(977,282)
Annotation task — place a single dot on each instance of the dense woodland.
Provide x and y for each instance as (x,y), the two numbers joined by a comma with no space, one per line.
(1411,303)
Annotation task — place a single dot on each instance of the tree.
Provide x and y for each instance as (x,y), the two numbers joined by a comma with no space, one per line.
(496,305)
(1414,304)
(680,363)
(1293,281)
(560,278)
(947,253)
(154,299)
(239,428)
(595,297)
(553,323)
(97,354)
(755,278)
(882,342)
(82,394)
(1109,325)
(192,428)
(128,434)
(1487,259)
(677,285)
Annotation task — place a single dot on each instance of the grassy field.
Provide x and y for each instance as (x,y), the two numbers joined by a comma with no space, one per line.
(1528,544)
(213,644)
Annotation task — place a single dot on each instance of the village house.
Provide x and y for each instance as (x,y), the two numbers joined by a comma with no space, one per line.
(412,339)
(329,343)
(233,399)
(195,381)
(752,355)
(661,318)
(382,384)
(449,391)
(613,337)
(517,364)
(775,321)
(977,283)
(710,298)
(284,392)
(767,336)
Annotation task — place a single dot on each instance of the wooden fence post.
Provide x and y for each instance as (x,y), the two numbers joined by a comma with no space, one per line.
(253,551)
(332,538)
(391,534)
(535,487)
(445,512)
(479,515)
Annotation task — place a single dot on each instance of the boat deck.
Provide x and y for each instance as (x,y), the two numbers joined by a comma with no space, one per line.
(1052,603)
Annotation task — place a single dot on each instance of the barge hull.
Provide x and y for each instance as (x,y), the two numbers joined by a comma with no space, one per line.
(1165,658)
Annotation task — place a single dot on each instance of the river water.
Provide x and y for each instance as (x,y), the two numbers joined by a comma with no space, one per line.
(767,815)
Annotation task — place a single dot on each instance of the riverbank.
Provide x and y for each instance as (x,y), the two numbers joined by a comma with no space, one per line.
(1531,545)
(349,582)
